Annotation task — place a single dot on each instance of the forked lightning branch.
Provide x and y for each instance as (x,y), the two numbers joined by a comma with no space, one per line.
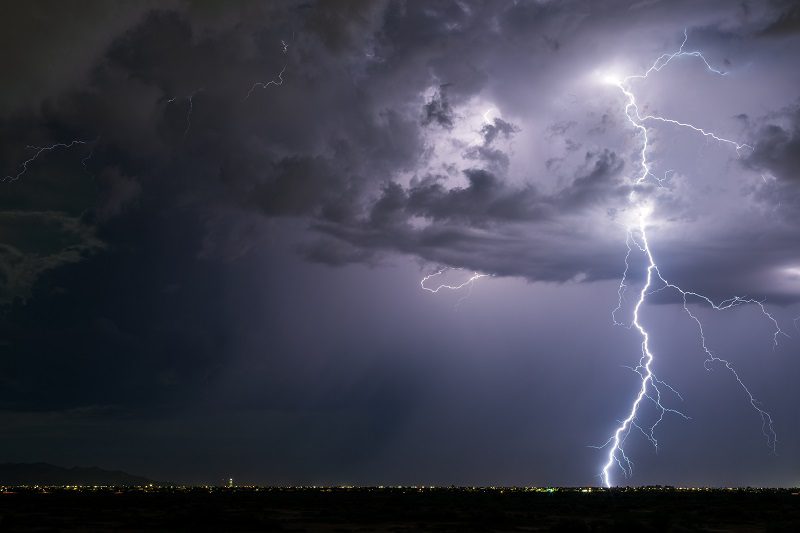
(651,388)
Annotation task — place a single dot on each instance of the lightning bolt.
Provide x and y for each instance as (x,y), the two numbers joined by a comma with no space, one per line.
(189,108)
(85,160)
(39,150)
(470,283)
(650,388)
(487,115)
(278,80)
(475,276)
(190,100)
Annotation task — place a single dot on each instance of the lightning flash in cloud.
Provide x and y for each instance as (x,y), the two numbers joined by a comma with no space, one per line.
(277,81)
(469,284)
(475,276)
(651,388)
(189,109)
(41,150)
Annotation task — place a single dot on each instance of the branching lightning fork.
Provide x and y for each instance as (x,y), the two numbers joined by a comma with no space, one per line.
(39,150)
(650,387)
(276,81)
(189,109)
(475,276)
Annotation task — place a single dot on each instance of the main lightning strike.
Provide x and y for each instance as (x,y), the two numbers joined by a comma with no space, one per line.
(637,237)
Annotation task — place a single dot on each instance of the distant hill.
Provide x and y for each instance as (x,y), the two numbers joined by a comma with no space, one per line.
(47,474)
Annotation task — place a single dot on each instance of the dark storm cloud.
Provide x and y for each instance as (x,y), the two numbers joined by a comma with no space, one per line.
(489,199)
(488,215)
(498,128)
(776,157)
(49,48)
(438,110)
(787,22)
(129,279)
(326,145)
(36,242)
(777,147)
(167,194)
(493,157)
(485,226)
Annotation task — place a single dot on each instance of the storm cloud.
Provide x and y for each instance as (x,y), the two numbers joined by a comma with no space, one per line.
(376,127)
(228,145)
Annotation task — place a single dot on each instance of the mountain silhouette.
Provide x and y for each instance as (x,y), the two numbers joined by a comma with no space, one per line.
(47,474)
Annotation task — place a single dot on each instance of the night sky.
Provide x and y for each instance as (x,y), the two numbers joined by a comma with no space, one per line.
(215,271)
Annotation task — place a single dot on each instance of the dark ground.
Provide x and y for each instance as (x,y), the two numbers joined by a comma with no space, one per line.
(396,509)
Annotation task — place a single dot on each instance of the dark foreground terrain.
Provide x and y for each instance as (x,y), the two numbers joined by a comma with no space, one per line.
(396,509)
